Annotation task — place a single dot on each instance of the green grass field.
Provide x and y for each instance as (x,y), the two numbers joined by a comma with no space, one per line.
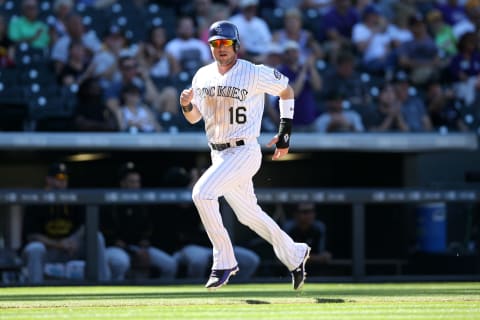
(253,301)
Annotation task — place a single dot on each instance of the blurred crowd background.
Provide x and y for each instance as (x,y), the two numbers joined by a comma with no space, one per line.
(364,65)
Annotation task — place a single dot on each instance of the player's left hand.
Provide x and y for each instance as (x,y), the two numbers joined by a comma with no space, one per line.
(279,152)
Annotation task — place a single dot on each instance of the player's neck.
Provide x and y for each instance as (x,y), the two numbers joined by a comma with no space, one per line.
(224,68)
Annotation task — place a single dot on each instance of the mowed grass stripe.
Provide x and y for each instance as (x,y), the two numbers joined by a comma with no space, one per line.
(254,301)
(432,311)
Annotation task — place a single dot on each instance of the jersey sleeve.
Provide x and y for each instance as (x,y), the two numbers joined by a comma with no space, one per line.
(271,80)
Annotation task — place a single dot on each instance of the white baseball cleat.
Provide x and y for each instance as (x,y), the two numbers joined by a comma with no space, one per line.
(220,277)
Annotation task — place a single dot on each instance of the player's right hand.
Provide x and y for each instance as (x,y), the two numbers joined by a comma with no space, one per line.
(186,97)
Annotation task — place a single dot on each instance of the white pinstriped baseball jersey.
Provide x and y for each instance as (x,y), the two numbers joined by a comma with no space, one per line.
(232,108)
(232,104)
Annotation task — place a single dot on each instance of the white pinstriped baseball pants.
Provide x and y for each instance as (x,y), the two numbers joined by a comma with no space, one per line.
(231,175)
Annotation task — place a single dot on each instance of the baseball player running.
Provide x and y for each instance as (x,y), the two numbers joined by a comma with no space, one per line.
(229,95)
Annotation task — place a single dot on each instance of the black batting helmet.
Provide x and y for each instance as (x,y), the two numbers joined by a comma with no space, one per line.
(224,30)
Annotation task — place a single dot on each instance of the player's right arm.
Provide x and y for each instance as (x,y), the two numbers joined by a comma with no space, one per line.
(190,111)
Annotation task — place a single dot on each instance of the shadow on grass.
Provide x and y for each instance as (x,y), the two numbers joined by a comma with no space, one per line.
(323,300)
(250,301)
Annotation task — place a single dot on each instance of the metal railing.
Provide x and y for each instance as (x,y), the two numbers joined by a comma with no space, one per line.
(357,198)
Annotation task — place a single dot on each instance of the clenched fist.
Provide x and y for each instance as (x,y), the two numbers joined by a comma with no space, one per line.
(186,97)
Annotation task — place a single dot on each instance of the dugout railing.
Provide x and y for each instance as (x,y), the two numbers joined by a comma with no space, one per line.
(356,198)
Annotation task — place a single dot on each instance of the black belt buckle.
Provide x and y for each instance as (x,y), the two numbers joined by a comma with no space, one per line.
(223,146)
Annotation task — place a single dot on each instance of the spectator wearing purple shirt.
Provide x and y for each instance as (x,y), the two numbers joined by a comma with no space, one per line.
(419,56)
(337,24)
(465,68)
(452,12)
(305,81)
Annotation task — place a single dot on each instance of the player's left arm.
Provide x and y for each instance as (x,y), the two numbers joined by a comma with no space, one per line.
(189,109)
(282,138)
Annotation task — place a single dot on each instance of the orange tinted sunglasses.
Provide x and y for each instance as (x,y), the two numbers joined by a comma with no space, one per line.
(222,42)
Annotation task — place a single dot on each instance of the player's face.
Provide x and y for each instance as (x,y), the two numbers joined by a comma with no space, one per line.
(223,52)
(133,180)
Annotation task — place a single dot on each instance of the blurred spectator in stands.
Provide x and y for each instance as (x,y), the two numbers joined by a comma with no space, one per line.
(443,108)
(152,54)
(442,33)
(344,78)
(114,41)
(61,10)
(336,118)
(451,10)
(404,9)
(77,68)
(190,52)
(164,71)
(75,32)
(129,230)
(305,81)
(91,112)
(337,24)
(373,41)
(98,4)
(399,31)
(471,23)
(320,5)
(28,28)
(191,243)
(255,34)
(361,5)
(464,68)
(216,12)
(56,234)
(201,12)
(388,114)
(136,116)
(274,58)
(420,57)
(133,73)
(305,227)
(293,31)
(413,108)
(7,46)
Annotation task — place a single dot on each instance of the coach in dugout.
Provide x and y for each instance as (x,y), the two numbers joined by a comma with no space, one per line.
(55,235)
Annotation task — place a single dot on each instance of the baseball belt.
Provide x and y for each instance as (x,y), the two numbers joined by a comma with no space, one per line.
(223,146)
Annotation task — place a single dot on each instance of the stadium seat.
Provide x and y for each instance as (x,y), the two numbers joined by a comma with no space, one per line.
(273,17)
(25,55)
(161,82)
(9,76)
(49,106)
(38,73)
(311,20)
(93,19)
(158,15)
(52,112)
(10,8)
(13,106)
(182,80)
(45,9)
